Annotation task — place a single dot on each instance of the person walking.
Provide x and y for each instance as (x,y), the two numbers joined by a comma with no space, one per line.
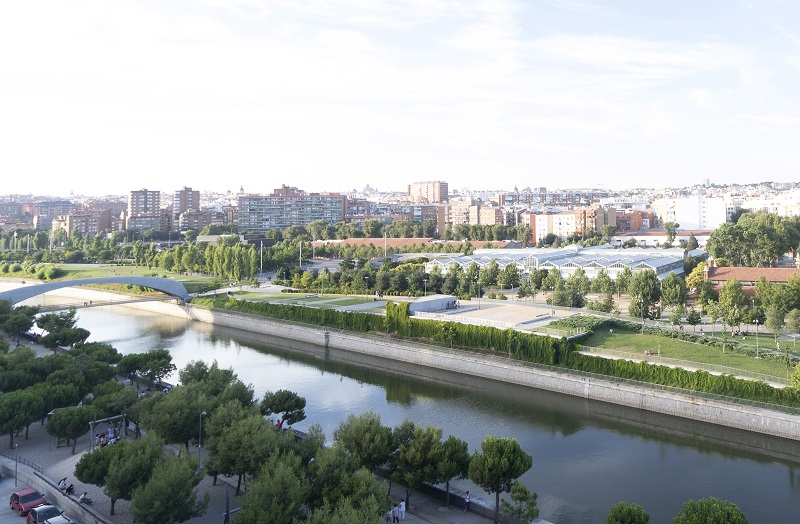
(403,509)
(466,502)
(395,513)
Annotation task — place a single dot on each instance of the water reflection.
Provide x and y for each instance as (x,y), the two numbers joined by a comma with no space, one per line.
(587,455)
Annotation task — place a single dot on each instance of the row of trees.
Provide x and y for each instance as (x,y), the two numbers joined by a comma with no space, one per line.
(292,481)
(754,240)
(703,511)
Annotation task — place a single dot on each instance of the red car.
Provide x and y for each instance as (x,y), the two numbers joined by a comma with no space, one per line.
(24,499)
(41,513)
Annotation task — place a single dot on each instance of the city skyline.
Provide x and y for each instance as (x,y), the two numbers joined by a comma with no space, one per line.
(102,98)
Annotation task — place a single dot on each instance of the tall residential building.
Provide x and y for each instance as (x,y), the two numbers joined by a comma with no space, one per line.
(144,210)
(289,207)
(184,200)
(692,212)
(428,192)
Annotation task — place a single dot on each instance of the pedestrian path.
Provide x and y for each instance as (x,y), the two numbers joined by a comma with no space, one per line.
(58,462)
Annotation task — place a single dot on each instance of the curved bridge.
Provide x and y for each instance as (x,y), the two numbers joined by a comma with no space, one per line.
(165,285)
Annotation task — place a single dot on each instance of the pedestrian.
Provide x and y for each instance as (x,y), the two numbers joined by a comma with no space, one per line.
(403,509)
(466,502)
(388,517)
(395,513)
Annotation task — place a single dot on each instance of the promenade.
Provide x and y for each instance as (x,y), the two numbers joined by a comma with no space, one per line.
(40,460)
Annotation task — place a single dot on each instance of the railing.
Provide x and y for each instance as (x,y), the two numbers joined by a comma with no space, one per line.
(24,461)
(688,364)
(551,332)
(558,332)
(100,303)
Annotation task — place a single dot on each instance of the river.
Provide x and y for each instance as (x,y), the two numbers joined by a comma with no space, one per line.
(586,455)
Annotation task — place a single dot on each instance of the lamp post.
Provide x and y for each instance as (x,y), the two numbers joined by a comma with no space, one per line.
(200,434)
(366,282)
(755,321)
(479,292)
(16,461)
(425,283)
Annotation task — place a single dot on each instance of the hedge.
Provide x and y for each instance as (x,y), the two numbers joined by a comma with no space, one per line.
(521,346)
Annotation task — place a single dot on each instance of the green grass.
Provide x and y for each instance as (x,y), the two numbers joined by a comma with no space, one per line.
(637,343)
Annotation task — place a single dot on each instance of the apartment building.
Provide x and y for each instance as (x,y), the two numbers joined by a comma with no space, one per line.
(428,192)
(692,212)
(87,222)
(144,211)
(287,207)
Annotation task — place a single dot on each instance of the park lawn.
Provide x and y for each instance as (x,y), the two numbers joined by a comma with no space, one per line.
(346,302)
(637,343)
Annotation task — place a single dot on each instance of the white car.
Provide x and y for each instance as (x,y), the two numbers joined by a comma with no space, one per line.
(61,519)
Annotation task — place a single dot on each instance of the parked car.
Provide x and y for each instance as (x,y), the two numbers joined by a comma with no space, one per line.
(42,512)
(61,519)
(24,499)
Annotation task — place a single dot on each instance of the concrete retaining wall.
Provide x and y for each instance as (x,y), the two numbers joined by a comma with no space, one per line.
(748,418)
(27,476)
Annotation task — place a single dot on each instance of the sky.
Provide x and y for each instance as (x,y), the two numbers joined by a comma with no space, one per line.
(104,97)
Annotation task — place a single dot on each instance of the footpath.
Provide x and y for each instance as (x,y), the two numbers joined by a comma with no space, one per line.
(40,462)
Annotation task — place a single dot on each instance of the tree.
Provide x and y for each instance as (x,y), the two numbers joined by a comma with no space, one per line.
(246,445)
(501,462)
(645,292)
(364,438)
(693,317)
(774,321)
(671,229)
(289,404)
(169,496)
(453,463)
(278,494)
(674,291)
(174,416)
(793,322)
(624,278)
(731,301)
(17,323)
(676,316)
(708,510)
(93,468)
(602,283)
(625,513)
(70,423)
(132,468)
(415,461)
(522,509)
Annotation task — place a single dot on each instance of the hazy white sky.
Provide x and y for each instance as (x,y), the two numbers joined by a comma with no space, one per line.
(107,96)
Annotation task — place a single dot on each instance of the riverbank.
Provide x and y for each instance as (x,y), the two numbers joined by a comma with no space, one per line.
(666,401)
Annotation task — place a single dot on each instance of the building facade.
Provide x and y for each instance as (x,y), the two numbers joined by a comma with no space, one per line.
(260,213)
(428,192)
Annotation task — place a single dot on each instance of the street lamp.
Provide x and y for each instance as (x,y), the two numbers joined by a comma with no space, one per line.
(479,292)
(366,281)
(16,461)
(200,434)
(755,321)
(425,283)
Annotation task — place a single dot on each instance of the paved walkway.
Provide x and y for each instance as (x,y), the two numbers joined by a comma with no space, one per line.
(59,462)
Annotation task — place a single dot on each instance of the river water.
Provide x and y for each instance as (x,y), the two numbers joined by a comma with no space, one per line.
(587,456)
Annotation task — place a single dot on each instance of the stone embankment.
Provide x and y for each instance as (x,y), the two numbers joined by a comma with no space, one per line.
(639,396)
(729,414)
